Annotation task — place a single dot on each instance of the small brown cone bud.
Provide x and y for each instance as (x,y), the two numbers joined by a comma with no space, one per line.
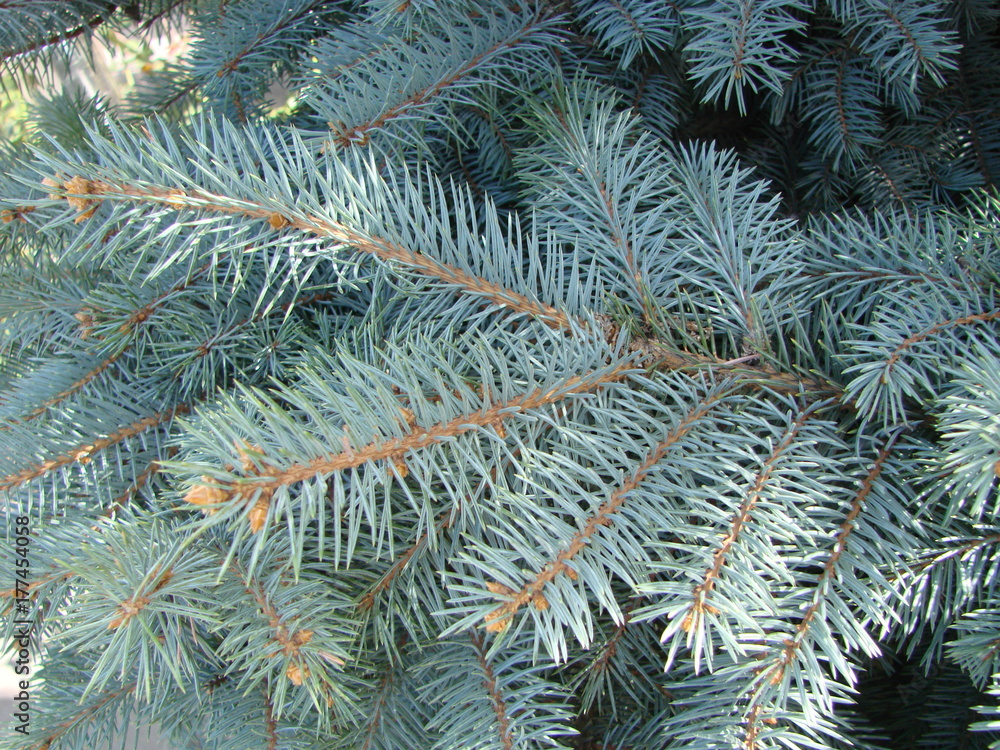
(128,609)
(85,214)
(163,580)
(297,673)
(15,214)
(258,513)
(80,186)
(499,589)
(86,318)
(245,459)
(499,625)
(203,494)
(50,183)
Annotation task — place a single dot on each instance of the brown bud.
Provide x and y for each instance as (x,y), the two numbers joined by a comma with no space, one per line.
(80,186)
(163,580)
(499,625)
(50,183)
(128,609)
(11,214)
(84,215)
(399,464)
(245,450)
(203,494)
(86,318)
(258,513)
(346,444)
(499,589)
(297,673)
(175,197)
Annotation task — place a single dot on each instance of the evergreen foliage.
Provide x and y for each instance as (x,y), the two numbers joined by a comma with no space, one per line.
(614,374)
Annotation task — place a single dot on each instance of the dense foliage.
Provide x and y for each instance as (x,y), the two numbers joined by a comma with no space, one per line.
(605,374)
